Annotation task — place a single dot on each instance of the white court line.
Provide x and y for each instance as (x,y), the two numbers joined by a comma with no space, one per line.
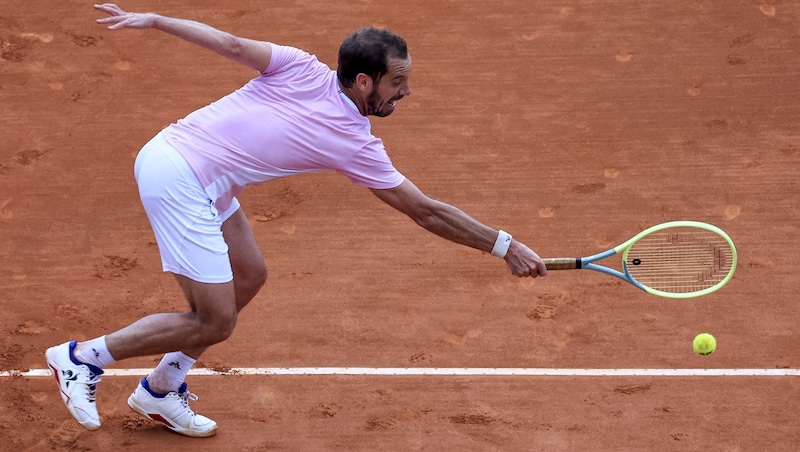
(445,371)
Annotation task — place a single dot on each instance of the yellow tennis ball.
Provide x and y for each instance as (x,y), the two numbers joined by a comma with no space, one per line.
(704,344)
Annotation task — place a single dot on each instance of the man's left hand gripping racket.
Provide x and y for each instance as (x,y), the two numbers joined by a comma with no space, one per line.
(678,259)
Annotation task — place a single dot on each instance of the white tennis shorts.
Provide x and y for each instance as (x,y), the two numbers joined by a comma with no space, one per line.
(187,225)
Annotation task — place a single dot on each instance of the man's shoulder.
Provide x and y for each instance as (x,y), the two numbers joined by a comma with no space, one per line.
(288,58)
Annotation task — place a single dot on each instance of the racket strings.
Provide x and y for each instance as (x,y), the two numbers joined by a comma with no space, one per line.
(680,260)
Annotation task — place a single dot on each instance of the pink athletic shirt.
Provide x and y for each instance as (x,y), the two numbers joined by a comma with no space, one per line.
(292,119)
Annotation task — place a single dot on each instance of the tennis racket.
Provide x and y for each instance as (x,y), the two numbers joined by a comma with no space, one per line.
(677,259)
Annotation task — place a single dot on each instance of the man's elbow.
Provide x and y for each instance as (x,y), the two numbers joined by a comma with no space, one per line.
(234,45)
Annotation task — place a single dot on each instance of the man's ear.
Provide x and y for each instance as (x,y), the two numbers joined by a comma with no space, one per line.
(363,82)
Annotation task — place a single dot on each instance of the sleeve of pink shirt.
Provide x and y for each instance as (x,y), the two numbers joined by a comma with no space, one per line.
(371,167)
(281,56)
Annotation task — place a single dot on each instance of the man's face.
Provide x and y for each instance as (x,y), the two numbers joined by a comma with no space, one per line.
(392,87)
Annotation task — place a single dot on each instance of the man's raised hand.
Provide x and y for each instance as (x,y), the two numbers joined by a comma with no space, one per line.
(121,19)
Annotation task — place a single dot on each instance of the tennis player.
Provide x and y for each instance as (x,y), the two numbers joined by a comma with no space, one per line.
(296,116)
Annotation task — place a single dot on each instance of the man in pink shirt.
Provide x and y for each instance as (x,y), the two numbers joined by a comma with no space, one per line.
(297,116)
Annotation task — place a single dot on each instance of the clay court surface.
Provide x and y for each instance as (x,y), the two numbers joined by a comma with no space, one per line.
(571,124)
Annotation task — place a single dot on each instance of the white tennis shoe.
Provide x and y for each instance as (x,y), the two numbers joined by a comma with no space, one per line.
(77,382)
(171,409)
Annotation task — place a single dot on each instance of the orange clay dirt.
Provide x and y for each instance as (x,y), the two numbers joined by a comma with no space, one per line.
(572,125)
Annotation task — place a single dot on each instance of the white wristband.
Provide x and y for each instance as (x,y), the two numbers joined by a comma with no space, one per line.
(501,244)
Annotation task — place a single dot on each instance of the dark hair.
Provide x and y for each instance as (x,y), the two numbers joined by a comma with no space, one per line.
(367,51)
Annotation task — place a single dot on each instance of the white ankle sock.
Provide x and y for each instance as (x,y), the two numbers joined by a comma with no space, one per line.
(171,371)
(94,352)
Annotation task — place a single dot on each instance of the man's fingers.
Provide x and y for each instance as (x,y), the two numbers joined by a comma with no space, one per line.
(534,272)
(110,8)
(116,22)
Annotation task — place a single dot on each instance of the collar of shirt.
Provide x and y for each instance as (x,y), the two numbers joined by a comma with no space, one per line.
(348,100)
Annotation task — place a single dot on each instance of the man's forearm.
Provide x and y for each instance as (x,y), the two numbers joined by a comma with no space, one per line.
(453,224)
(201,34)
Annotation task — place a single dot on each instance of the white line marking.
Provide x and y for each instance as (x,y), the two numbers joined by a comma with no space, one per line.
(464,371)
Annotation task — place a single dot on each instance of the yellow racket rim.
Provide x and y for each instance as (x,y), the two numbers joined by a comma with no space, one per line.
(679,259)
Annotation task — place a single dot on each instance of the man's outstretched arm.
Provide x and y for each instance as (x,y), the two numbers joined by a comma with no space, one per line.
(251,53)
(453,224)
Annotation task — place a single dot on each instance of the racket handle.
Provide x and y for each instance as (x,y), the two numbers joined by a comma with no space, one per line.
(562,263)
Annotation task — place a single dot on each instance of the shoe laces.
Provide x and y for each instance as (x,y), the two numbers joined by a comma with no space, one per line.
(91,386)
(185,397)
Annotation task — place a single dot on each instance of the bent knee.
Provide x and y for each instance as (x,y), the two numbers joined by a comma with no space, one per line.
(260,276)
(217,330)
(252,280)
(257,277)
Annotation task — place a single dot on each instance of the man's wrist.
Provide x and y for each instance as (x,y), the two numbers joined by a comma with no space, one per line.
(501,244)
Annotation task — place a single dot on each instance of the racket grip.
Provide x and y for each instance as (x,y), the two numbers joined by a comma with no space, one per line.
(562,263)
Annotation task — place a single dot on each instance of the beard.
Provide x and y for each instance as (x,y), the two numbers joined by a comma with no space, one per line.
(373,100)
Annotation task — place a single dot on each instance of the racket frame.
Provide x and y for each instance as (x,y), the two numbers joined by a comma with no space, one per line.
(588,262)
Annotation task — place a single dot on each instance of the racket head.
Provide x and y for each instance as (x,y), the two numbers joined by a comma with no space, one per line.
(679,259)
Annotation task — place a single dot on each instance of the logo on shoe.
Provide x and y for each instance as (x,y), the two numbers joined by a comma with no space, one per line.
(69,376)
